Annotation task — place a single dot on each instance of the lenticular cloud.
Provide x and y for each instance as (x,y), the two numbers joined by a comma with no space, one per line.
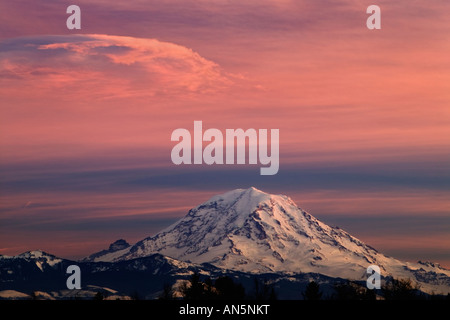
(106,66)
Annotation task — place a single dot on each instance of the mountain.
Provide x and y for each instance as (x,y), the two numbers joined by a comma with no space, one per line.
(44,276)
(113,247)
(32,270)
(251,231)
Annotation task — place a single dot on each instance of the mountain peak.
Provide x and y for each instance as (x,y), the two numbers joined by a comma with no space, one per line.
(115,248)
(248,197)
(254,190)
(239,193)
(243,229)
(118,245)
(40,258)
(244,201)
(34,254)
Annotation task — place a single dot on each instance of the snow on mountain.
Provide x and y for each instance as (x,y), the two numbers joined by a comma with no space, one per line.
(252,231)
(40,258)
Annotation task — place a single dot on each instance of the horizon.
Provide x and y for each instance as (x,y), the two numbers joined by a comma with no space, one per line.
(86,117)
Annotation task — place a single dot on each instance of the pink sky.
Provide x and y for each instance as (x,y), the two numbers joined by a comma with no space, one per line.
(347,100)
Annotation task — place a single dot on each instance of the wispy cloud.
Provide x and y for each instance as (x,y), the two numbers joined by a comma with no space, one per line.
(115,66)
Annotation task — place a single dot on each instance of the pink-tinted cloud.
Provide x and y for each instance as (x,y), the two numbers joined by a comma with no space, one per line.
(98,92)
(115,66)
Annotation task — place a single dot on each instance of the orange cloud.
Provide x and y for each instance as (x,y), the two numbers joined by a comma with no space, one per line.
(104,67)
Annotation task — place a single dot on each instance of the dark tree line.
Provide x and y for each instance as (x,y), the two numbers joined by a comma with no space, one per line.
(226,288)
(223,288)
(394,289)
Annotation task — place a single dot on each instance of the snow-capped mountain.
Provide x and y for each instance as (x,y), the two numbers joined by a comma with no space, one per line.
(40,259)
(39,275)
(251,231)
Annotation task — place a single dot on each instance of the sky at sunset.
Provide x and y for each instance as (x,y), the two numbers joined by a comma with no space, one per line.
(86,117)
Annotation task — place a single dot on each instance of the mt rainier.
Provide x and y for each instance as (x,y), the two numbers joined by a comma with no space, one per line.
(251,231)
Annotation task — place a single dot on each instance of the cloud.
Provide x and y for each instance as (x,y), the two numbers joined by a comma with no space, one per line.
(103,66)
